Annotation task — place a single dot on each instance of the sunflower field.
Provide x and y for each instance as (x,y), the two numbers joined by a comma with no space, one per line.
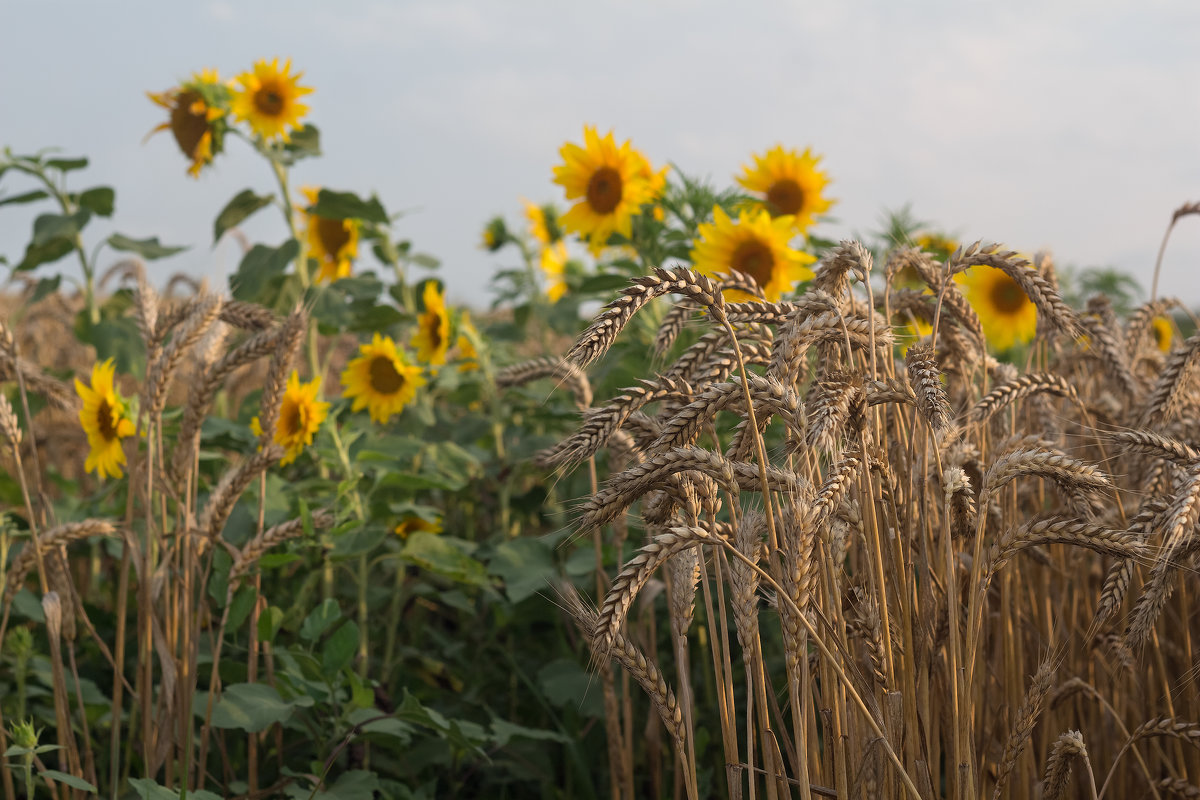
(703,505)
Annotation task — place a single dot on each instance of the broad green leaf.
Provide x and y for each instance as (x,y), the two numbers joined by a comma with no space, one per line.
(603,283)
(44,287)
(147,789)
(241,606)
(387,726)
(442,555)
(67,164)
(567,685)
(24,197)
(251,707)
(244,203)
(36,255)
(99,200)
(347,205)
(526,566)
(504,731)
(69,780)
(49,227)
(269,622)
(319,620)
(148,249)
(359,540)
(339,649)
(353,785)
(259,267)
(305,143)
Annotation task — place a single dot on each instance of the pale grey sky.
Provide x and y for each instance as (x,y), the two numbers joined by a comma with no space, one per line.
(1060,125)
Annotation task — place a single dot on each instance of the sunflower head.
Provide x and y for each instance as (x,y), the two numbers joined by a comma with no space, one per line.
(755,244)
(197,111)
(553,261)
(332,242)
(269,99)
(495,235)
(433,327)
(413,523)
(543,222)
(789,184)
(300,416)
(381,380)
(1162,330)
(936,243)
(106,420)
(468,356)
(1007,314)
(609,183)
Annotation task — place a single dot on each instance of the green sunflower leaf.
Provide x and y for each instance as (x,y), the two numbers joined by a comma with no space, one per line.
(347,205)
(244,203)
(67,164)
(148,249)
(99,200)
(25,197)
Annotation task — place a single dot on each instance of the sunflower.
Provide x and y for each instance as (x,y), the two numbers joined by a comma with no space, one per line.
(381,379)
(105,420)
(755,244)
(554,265)
(1008,315)
(936,243)
(413,523)
(197,117)
(495,235)
(543,222)
(332,242)
(790,184)
(611,183)
(433,327)
(468,356)
(300,415)
(269,99)
(1161,327)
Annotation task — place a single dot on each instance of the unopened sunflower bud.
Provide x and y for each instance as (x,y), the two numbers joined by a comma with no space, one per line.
(24,734)
(52,608)
(495,235)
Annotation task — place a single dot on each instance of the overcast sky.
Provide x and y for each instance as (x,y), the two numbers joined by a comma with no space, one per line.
(1068,126)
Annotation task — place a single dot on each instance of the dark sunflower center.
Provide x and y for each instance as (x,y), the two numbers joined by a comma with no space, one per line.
(1161,334)
(188,127)
(269,102)
(754,258)
(604,190)
(384,377)
(106,421)
(433,327)
(333,235)
(786,196)
(1007,296)
(289,418)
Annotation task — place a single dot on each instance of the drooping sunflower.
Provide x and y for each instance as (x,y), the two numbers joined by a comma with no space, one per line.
(611,184)
(790,184)
(543,222)
(105,420)
(1162,330)
(269,99)
(381,379)
(433,327)
(413,523)
(495,235)
(197,117)
(553,261)
(468,356)
(300,416)
(754,244)
(332,242)
(1007,314)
